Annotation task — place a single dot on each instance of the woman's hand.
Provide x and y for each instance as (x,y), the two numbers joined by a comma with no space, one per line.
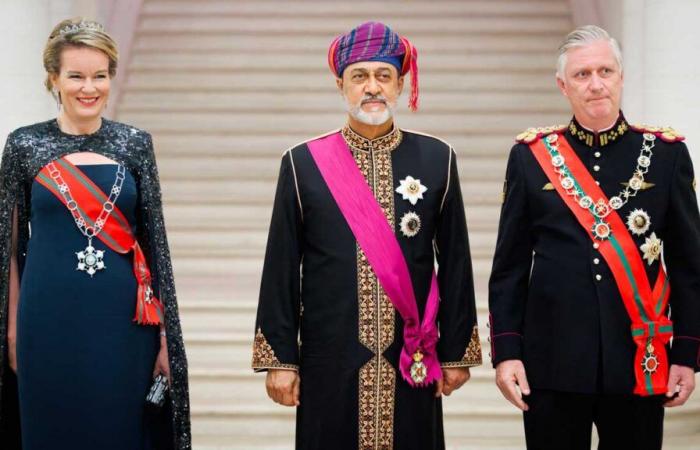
(12,350)
(162,362)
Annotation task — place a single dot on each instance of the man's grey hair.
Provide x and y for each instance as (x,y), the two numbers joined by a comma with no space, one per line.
(583,36)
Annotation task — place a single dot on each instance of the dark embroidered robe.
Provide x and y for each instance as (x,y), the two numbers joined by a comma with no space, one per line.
(322,312)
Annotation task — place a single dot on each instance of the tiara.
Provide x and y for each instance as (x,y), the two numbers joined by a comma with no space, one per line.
(82,26)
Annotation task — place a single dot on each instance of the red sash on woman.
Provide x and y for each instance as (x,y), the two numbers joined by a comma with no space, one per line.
(651,328)
(418,362)
(116,232)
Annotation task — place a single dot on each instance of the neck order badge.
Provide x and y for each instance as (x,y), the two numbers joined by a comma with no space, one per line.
(418,364)
(651,329)
(96,211)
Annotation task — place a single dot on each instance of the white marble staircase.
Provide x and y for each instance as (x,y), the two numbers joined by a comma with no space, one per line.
(226,86)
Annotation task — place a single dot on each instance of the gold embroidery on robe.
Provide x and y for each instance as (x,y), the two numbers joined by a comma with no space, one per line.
(377,316)
(472,355)
(264,356)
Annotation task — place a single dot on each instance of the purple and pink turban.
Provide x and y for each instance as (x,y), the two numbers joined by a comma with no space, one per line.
(374,41)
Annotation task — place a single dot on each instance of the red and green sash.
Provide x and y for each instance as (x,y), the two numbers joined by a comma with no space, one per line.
(116,232)
(651,328)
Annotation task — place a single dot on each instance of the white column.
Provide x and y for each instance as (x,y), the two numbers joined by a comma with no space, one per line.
(662,70)
(25,27)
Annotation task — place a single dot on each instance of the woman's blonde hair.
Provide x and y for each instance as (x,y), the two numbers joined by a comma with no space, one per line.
(77,32)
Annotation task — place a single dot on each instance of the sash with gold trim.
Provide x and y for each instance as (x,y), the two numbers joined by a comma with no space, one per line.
(116,232)
(651,328)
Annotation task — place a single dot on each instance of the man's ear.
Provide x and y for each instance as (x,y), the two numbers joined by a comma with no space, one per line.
(339,83)
(562,86)
(401,80)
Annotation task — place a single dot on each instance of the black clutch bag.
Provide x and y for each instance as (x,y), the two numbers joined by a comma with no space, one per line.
(159,389)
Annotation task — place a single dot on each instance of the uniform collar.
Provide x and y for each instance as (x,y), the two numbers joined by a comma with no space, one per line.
(600,138)
(387,142)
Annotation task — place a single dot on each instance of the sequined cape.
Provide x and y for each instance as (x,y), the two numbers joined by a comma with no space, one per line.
(27,150)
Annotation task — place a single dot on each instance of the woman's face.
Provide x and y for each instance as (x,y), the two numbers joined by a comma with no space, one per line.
(83,83)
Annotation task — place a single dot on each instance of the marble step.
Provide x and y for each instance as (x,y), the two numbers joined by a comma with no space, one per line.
(256,192)
(435,10)
(253,243)
(305,62)
(234,218)
(335,24)
(223,42)
(196,265)
(237,315)
(320,80)
(236,288)
(483,425)
(331,102)
(476,144)
(204,124)
(233,350)
(174,168)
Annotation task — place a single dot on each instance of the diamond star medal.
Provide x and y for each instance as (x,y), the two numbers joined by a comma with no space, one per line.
(90,260)
(638,222)
(418,370)
(651,248)
(410,224)
(411,189)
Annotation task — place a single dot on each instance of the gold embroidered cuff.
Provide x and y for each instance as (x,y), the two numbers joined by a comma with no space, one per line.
(472,355)
(264,357)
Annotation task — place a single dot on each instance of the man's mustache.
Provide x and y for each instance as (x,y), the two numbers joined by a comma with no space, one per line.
(373,98)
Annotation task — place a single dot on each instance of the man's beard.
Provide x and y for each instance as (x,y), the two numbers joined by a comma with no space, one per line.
(371,118)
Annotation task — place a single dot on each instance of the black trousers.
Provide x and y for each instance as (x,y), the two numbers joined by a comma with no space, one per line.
(564,421)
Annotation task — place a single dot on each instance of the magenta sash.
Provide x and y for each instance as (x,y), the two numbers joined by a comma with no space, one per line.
(378,241)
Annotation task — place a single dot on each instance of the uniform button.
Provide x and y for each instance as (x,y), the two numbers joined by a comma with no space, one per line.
(598,277)
(596,168)
(596,245)
(597,154)
(596,261)
(597,182)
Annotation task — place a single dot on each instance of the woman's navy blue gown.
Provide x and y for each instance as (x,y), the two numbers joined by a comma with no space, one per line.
(84,366)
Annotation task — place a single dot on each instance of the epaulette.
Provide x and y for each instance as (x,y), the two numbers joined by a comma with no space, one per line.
(531,134)
(666,134)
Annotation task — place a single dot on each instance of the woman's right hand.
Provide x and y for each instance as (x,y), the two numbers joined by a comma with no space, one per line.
(12,350)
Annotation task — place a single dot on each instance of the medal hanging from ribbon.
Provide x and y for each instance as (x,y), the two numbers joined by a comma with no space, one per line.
(97,216)
(651,330)
(418,362)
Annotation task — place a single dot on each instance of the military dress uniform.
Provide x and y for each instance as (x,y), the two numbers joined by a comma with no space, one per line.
(554,303)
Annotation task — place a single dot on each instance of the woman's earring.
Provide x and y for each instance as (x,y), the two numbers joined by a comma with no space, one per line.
(57,96)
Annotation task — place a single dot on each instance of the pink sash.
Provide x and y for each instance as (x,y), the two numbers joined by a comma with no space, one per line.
(378,241)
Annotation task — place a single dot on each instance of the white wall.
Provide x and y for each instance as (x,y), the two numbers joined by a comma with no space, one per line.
(665,88)
(24,27)
(659,41)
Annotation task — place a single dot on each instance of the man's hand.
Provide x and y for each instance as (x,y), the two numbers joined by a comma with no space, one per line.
(681,379)
(510,375)
(452,379)
(283,386)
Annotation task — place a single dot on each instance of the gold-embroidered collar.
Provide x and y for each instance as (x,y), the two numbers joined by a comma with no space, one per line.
(602,138)
(388,142)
